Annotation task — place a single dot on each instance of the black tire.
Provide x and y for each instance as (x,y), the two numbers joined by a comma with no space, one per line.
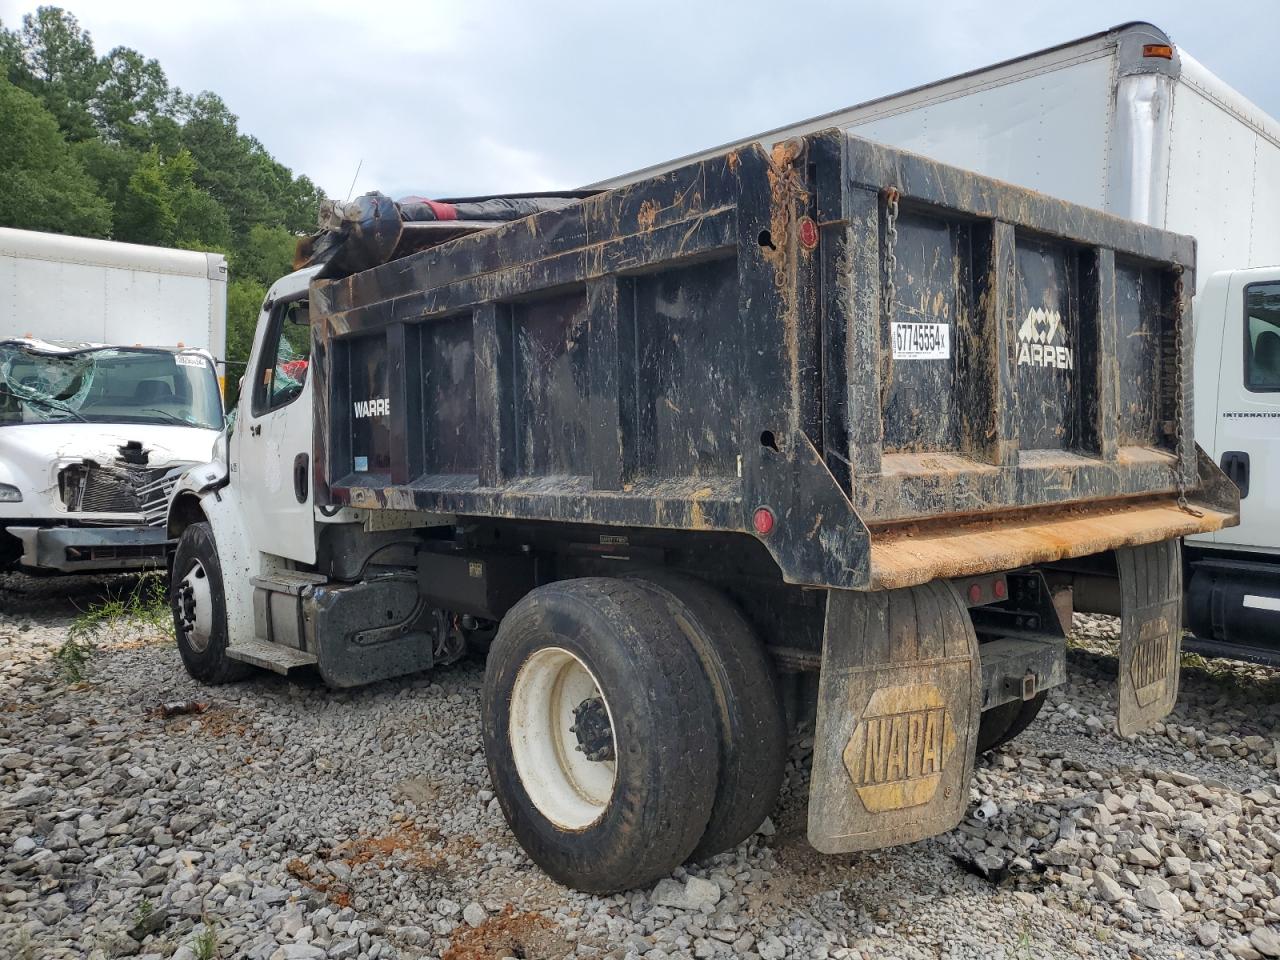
(749,716)
(664,729)
(1001,724)
(210,664)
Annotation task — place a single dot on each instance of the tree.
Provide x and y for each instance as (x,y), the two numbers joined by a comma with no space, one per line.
(163,206)
(132,94)
(244,303)
(59,65)
(266,254)
(42,184)
(111,166)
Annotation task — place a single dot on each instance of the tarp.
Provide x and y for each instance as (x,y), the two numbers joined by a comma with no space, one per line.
(358,234)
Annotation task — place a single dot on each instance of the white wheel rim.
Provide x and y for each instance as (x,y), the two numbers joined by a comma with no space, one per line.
(195,607)
(568,788)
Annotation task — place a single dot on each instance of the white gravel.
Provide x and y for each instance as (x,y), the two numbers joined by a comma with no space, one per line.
(289,821)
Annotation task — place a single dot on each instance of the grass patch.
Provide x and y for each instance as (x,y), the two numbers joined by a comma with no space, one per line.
(138,611)
(205,945)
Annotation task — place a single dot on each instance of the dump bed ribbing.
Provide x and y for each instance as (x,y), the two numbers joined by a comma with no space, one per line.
(870,346)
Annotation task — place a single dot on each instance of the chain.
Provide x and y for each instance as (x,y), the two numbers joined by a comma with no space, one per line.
(1179,426)
(889,289)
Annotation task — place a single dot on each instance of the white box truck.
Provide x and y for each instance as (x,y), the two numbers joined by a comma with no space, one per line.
(1127,122)
(108,382)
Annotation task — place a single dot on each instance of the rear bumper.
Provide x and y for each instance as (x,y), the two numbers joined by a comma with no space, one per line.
(916,554)
(904,555)
(91,549)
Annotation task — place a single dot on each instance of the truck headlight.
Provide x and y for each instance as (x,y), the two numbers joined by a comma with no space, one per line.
(9,493)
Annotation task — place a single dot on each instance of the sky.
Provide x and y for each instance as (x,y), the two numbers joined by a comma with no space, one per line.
(445,98)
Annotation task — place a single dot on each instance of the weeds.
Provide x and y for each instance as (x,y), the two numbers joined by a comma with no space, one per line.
(143,608)
(205,946)
(145,909)
(1024,942)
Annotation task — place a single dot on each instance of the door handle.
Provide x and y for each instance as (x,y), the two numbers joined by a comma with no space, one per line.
(1235,464)
(301,471)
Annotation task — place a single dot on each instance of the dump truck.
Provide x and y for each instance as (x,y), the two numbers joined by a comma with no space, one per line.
(108,381)
(816,434)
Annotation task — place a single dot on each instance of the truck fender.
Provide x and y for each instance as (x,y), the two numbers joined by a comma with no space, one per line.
(203,495)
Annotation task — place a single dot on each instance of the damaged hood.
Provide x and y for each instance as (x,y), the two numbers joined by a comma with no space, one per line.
(31,455)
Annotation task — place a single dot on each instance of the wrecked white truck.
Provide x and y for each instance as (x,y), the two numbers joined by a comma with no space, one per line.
(89,431)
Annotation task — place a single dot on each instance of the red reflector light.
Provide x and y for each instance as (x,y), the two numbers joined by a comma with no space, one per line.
(975,593)
(1001,589)
(1161,50)
(763,521)
(808,233)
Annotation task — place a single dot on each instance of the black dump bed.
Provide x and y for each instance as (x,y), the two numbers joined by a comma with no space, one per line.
(917,371)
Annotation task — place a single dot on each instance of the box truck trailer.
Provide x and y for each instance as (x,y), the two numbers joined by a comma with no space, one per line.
(832,411)
(107,383)
(1128,122)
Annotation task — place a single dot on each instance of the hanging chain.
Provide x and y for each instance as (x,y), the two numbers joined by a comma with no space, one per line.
(889,291)
(1179,426)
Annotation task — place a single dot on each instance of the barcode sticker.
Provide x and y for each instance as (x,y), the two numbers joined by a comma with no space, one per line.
(921,341)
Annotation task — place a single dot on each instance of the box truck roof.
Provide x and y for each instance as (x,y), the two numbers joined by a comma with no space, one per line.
(55,247)
(1143,48)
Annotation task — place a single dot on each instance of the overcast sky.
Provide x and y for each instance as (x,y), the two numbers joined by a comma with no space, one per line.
(449,98)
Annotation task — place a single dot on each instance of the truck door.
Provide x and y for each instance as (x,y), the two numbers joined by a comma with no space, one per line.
(272,441)
(1248,431)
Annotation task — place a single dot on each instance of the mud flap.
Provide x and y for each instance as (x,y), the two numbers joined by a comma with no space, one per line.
(898,706)
(1150,633)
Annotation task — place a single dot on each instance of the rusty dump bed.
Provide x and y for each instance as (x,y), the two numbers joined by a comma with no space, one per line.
(918,371)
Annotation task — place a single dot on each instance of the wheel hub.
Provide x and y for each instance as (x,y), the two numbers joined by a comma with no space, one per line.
(194,603)
(562,738)
(591,727)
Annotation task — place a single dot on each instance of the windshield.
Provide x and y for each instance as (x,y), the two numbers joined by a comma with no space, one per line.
(109,385)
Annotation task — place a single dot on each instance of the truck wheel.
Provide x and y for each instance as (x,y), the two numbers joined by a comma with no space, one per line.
(599,734)
(1001,724)
(200,608)
(749,719)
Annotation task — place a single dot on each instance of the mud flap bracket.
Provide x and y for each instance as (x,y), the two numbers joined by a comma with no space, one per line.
(898,705)
(1150,633)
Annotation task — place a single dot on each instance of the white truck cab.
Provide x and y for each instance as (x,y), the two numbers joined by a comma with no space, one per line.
(1234,591)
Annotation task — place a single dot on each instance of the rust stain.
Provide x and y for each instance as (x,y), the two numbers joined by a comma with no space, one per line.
(648,215)
(508,934)
(788,200)
(732,160)
(697,520)
(911,554)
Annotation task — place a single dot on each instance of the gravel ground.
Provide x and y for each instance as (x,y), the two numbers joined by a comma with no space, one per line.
(289,821)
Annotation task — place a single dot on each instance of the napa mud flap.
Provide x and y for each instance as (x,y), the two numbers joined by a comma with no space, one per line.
(1150,633)
(898,707)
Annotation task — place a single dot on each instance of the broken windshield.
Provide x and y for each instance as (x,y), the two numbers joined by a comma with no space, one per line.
(107,385)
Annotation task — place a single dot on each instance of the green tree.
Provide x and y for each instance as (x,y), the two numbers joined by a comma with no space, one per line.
(111,166)
(163,206)
(132,94)
(42,184)
(59,65)
(244,303)
(265,255)
(11,67)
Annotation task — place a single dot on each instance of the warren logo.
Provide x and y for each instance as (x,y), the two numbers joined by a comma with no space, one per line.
(1149,667)
(899,747)
(1042,340)
(378,407)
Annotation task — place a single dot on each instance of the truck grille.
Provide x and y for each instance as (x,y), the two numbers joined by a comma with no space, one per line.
(93,488)
(154,496)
